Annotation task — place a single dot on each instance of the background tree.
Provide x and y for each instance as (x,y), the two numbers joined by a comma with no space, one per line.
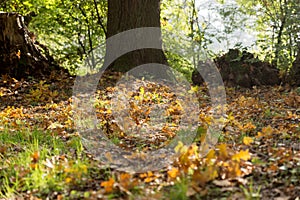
(278,29)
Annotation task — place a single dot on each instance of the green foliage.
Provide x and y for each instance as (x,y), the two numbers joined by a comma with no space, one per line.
(277,28)
(70,29)
(183,34)
(180,64)
(179,190)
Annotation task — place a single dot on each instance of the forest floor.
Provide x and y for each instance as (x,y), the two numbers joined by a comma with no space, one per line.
(42,156)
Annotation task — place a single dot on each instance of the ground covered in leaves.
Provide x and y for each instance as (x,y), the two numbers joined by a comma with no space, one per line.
(41,154)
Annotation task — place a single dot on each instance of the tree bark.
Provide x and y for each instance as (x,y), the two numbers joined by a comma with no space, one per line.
(130,14)
(294,77)
(19,52)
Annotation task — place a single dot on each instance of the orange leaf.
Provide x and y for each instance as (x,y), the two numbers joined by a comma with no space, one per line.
(150,177)
(35,156)
(259,135)
(125,181)
(173,173)
(250,126)
(108,185)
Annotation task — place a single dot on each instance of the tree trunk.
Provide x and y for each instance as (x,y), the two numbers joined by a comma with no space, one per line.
(19,52)
(130,14)
(294,77)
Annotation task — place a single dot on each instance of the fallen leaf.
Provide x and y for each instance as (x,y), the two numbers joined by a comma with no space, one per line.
(244,155)
(108,185)
(247,140)
(173,173)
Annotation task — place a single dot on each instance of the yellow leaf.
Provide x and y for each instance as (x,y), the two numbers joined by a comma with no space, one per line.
(244,155)
(247,140)
(223,151)
(68,180)
(193,89)
(210,155)
(230,117)
(173,173)
(149,177)
(179,147)
(259,135)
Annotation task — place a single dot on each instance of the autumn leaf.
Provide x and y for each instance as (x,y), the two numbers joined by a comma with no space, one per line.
(149,177)
(173,173)
(35,157)
(247,140)
(211,155)
(234,170)
(108,185)
(179,146)
(259,134)
(268,130)
(202,177)
(242,155)
(68,180)
(223,151)
(125,180)
(249,126)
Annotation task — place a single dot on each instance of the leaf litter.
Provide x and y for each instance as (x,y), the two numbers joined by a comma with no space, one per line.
(260,143)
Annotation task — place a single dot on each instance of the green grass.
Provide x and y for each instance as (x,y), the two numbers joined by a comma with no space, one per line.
(39,163)
(178,190)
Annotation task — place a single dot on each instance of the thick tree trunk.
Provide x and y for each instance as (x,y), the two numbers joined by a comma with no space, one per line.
(130,14)
(294,77)
(19,55)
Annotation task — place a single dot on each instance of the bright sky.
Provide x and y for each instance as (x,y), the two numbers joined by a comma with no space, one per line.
(207,13)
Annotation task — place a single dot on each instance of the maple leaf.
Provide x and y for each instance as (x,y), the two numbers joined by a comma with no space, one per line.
(244,155)
(108,185)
